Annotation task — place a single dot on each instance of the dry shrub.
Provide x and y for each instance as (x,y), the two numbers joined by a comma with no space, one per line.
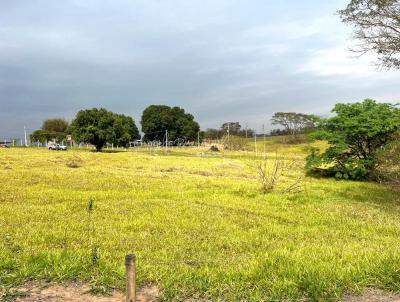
(270,171)
(74,162)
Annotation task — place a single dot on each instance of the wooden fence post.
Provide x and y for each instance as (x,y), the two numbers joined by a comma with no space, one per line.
(130,265)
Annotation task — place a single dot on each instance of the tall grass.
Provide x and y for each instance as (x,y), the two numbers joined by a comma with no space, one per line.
(199,226)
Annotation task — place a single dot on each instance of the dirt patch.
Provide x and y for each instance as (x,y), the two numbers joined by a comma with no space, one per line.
(373,295)
(42,292)
(79,292)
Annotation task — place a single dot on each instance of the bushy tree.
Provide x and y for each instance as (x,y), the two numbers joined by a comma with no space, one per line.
(294,123)
(355,135)
(125,130)
(232,127)
(100,126)
(52,129)
(377,28)
(157,119)
(59,125)
(44,136)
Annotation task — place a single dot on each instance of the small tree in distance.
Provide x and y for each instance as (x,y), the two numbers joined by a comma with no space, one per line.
(232,127)
(294,123)
(52,129)
(55,125)
(100,126)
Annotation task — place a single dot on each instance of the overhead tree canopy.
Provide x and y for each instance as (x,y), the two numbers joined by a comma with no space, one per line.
(157,119)
(100,126)
(355,135)
(377,28)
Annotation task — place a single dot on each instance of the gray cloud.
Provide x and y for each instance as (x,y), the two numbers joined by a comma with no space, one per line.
(221,60)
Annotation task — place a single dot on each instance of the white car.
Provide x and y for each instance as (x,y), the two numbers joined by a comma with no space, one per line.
(57,147)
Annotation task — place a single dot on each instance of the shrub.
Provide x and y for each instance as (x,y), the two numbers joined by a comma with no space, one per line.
(356,134)
(270,171)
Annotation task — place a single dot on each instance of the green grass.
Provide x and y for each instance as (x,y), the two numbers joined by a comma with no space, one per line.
(197,222)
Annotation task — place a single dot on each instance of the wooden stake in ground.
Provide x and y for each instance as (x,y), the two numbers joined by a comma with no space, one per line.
(130,265)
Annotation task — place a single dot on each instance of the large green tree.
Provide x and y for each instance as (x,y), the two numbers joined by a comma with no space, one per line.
(55,125)
(376,28)
(157,119)
(100,126)
(355,135)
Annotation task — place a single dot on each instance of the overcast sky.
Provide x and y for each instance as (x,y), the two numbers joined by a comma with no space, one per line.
(236,60)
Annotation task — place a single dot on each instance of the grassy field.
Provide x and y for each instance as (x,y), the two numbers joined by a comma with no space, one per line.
(198,223)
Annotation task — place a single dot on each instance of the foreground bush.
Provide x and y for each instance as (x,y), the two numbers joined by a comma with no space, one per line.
(356,135)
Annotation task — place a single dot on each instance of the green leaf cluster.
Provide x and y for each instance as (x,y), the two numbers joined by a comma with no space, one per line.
(355,135)
(157,119)
(100,126)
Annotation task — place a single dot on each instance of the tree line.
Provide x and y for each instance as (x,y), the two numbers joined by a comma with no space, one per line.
(358,134)
(101,126)
(290,123)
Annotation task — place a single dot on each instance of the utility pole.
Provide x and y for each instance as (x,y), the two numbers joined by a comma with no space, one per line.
(255,142)
(229,126)
(166,140)
(26,141)
(246,130)
(198,139)
(264,139)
